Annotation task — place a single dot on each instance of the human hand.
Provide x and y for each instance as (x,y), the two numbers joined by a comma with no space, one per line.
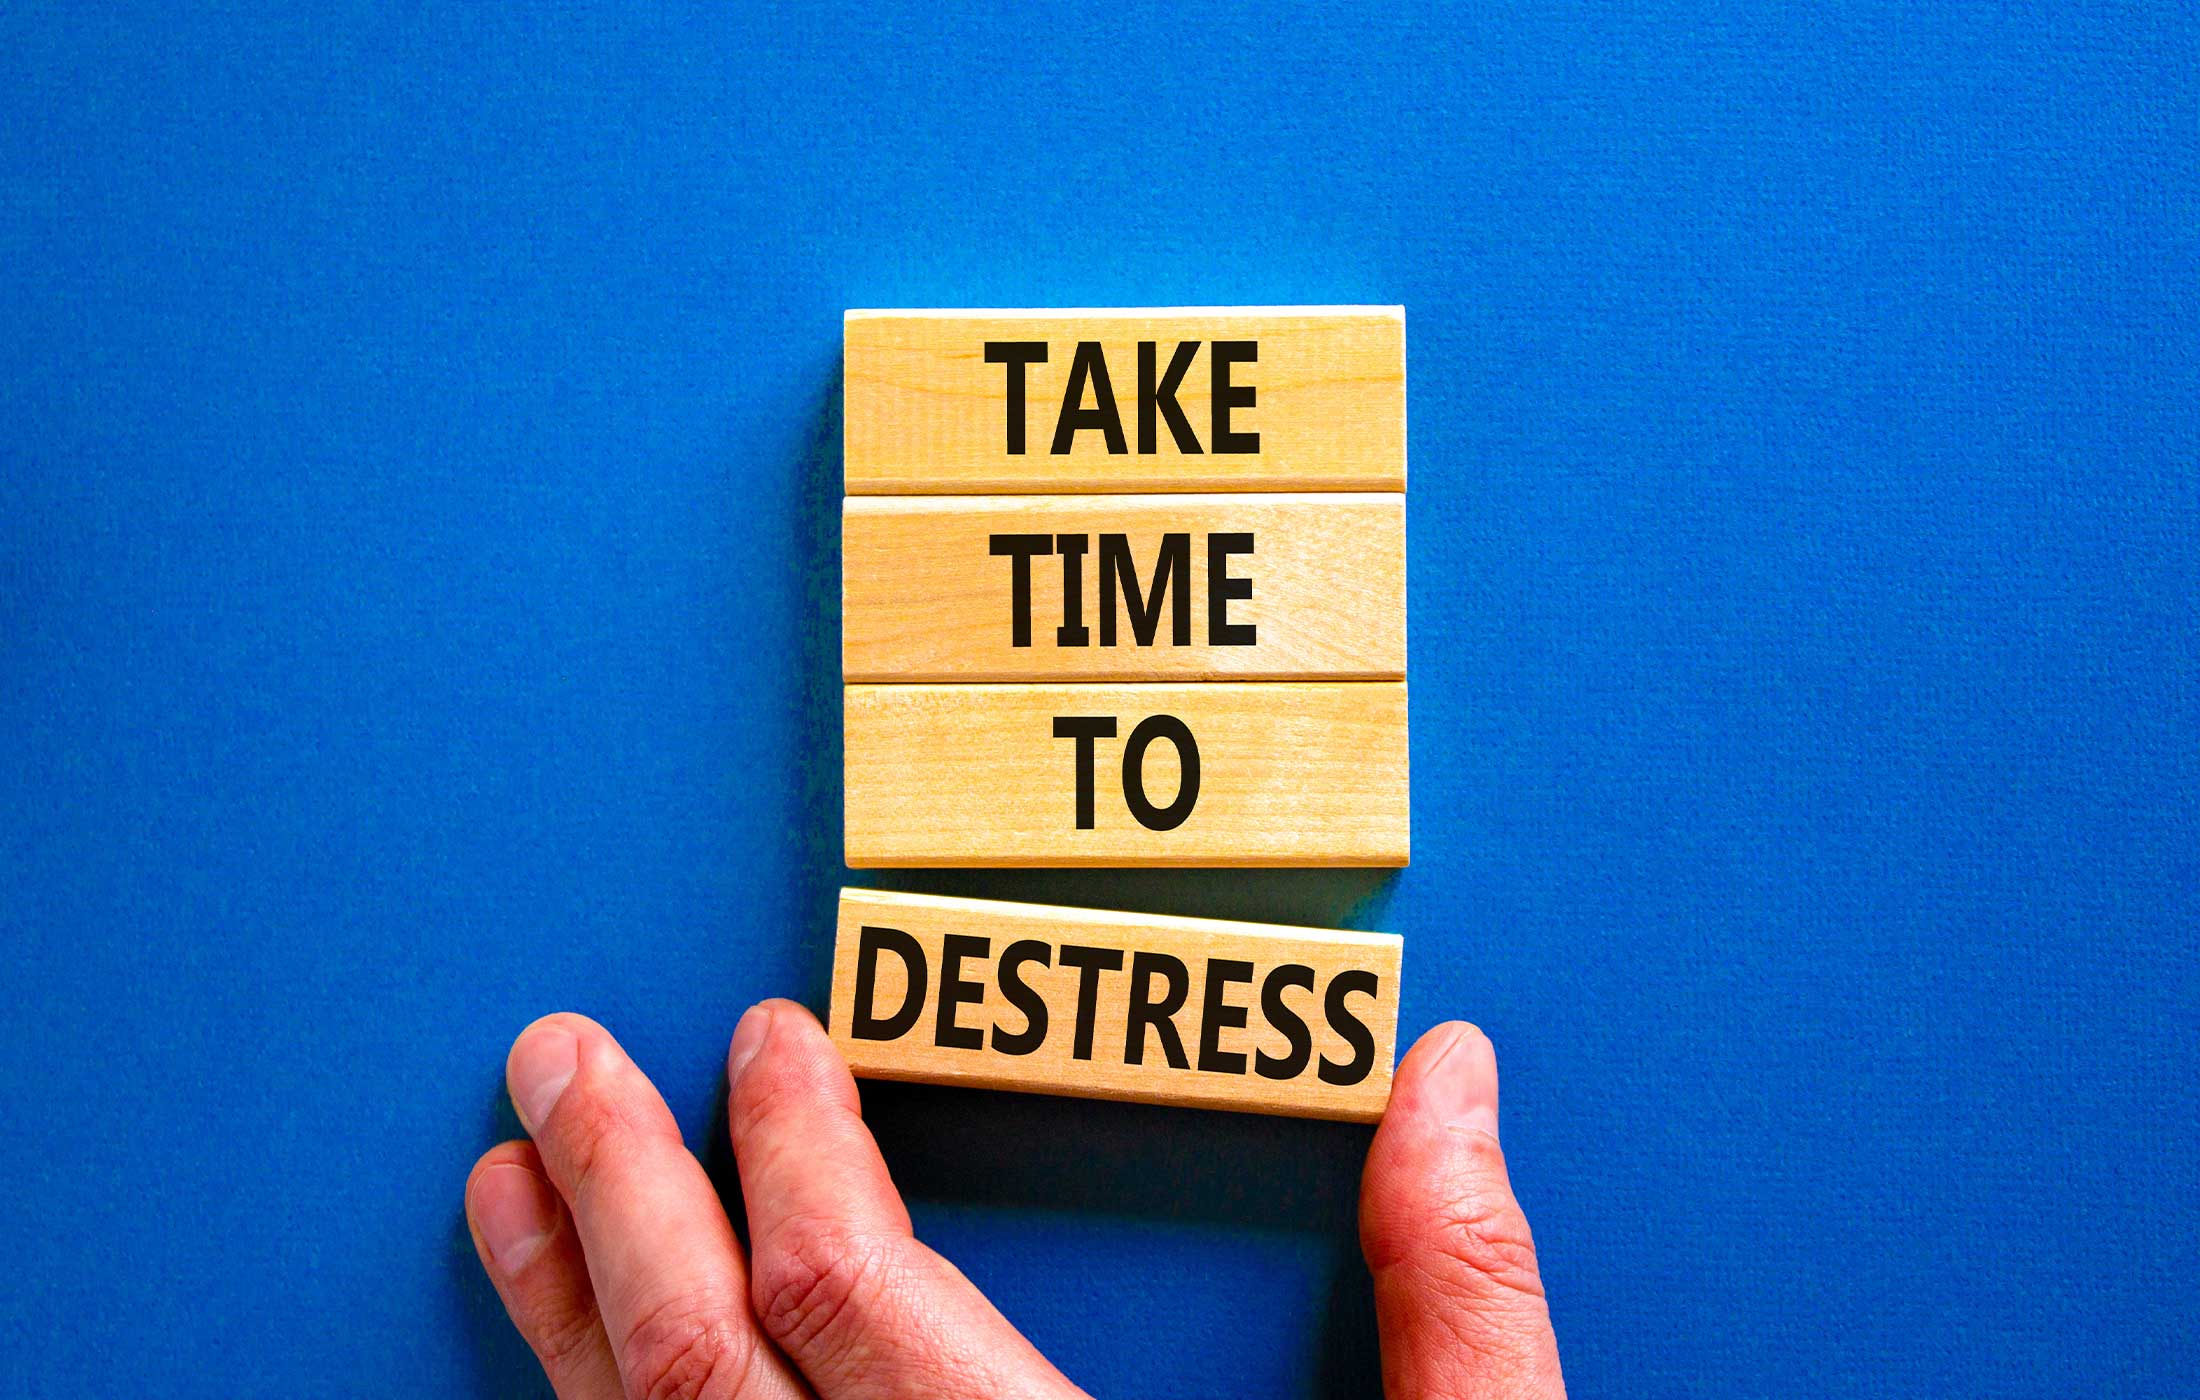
(610,1249)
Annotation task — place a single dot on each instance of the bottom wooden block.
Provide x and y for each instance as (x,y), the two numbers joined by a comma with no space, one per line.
(1213,773)
(1255,1017)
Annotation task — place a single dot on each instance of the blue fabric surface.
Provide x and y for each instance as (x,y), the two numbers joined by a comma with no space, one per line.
(418,589)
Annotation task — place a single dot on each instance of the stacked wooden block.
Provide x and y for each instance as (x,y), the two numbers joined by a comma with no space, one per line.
(1125,587)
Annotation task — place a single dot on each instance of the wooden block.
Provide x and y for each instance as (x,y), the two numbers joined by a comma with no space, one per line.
(1006,588)
(1150,1007)
(1220,773)
(1300,398)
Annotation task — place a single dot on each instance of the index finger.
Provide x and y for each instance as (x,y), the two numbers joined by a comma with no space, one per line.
(668,1274)
(840,1282)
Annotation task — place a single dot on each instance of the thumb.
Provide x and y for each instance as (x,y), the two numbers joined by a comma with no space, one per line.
(1458,1297)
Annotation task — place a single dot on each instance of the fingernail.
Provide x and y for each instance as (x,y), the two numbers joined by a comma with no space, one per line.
(515,1212)
(1462,1082)
(748,1038)
(542,1064)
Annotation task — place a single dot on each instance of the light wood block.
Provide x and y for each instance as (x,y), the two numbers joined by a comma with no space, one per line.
(1149,1007)
(955,588)
(1288,773)
(1296,399)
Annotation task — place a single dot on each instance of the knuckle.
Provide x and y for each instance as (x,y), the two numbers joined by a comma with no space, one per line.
(1490,1240)
(686,1349)
(594,1129)
(1456,1226)
(806,1276)
(564,1330)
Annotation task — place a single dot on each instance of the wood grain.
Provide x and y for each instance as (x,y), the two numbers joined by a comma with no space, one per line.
(1290,773)
(1326,1030)
(925,598)
(925,413)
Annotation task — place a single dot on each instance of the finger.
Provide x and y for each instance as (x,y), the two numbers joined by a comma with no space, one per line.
(527,1244)
(840,1282)
(1458,1296)
(668,1276)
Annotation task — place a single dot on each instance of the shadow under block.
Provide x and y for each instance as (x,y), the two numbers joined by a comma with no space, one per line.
(1119,588)
(1181,399)
(1213,773)
(1148,1007)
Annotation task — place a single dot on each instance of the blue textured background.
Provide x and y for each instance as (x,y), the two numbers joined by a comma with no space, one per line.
(418,475)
